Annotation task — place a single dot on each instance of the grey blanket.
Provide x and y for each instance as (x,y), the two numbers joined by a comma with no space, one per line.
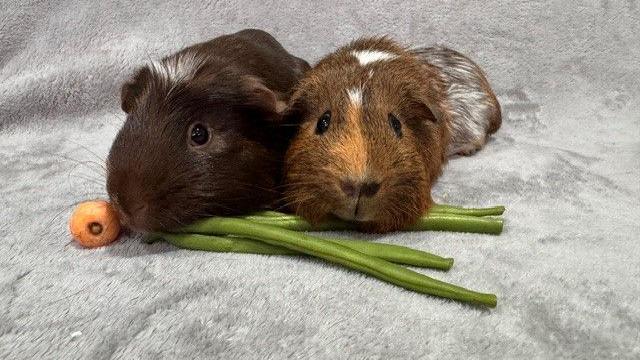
(566,164)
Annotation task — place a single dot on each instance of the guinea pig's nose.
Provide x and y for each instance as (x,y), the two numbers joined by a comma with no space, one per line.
(138,213)
(349,188)
(369,189)
(357,188)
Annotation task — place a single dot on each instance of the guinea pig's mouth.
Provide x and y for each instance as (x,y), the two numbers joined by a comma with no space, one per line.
(355,210)
(138,217)
(129,221)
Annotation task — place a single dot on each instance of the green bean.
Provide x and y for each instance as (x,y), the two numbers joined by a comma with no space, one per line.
(299,224)
(437,222)
(457,210)
(392,253)
(230,244)
(459,223)
(259,216)
(435,209)
(396,253)
(343,255)
(271,213)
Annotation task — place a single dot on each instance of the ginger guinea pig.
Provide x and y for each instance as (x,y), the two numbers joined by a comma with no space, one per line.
(202,135)
(376,122)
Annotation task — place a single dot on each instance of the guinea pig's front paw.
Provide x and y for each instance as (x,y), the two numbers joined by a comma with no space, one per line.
(468,152)
(468,148)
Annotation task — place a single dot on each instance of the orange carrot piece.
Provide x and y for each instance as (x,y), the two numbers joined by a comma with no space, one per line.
(94,223)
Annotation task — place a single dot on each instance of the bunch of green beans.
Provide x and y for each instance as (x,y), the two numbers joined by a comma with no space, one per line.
(276,233)
(440,218)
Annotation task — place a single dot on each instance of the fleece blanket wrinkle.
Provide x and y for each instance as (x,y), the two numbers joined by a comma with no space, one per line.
(566,164)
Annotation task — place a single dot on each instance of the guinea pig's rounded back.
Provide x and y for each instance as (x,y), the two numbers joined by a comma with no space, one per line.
(475,110)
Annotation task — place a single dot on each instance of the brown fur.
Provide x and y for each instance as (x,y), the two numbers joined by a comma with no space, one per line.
(475,111)
(360,144)
(495,119)
(232,85)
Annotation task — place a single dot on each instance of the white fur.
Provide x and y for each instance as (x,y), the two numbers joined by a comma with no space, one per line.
(470,108)
(178,68)
(469,103)
(369,56)
(355,96)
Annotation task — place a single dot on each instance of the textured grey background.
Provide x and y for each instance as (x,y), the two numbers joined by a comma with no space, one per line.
(566,164)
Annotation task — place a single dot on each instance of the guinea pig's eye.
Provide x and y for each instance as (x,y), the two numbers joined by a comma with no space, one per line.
(199,134)
(323,123)
(396,125)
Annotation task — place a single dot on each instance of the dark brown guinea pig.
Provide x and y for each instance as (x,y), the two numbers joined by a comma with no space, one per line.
(202,135)
(375,126)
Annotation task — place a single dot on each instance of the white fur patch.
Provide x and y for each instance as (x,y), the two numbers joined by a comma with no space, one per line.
(470,105)
(355,96)
(369,56)
(178,68)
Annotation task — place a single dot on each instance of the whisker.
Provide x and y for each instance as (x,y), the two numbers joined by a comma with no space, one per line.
(99,182)
(85,163)
(86,148)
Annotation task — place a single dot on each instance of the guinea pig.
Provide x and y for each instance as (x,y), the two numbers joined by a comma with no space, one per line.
(376,123)
(203,133)
(475,111)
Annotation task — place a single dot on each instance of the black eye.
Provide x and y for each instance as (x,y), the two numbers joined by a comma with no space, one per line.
(323,123)
(199,134)
(396,125)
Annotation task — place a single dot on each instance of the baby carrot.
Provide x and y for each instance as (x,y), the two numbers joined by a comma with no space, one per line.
(94,223)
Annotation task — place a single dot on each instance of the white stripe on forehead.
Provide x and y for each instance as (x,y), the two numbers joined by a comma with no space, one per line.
(355,96)
(178,68)
(369,56)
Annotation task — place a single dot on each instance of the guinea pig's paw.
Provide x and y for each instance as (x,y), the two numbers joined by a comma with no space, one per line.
(467,149)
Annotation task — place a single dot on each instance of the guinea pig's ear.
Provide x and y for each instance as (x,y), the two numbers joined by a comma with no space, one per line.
(431,103)
(263,99)
(132,89)
(423,110)
(296,110)
(294,115)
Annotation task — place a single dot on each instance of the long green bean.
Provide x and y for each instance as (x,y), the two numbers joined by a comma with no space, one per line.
(340,254)
(230,244)
(397,254)
(392,253)
(271,213)
(435,209)
(459,223)
(458,210)
(437,222)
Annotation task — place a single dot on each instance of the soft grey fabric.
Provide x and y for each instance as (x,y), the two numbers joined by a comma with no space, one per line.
(566,163)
